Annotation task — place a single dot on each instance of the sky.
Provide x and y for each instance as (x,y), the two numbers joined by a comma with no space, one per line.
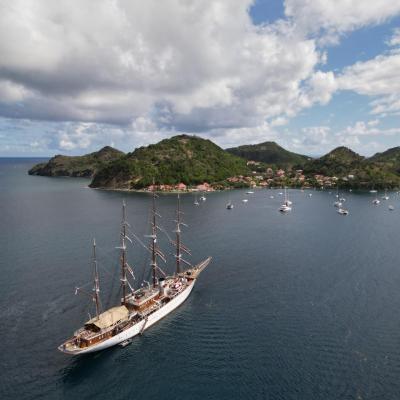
(309,74)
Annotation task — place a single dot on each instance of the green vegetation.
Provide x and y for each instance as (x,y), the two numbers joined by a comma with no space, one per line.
(380,171)
(187,159)
(78,166)
(340,161)
(389,160)
(193,160)
(269,153)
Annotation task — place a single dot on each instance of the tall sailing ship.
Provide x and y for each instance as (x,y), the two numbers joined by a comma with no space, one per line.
(141,308)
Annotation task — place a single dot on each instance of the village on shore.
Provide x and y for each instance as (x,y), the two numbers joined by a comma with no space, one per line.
(260,177)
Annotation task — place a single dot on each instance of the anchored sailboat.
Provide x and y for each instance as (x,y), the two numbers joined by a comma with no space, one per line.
(376,201)
(385,196)
(141,308)
(339,202)
(286,206)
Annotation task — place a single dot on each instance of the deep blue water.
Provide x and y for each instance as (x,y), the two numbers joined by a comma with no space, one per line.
(298,306)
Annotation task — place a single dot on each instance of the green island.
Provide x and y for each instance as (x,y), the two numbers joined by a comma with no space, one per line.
(77,166)
(184,163)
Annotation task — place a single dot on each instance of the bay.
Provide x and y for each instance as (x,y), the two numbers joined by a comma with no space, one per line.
(297,306)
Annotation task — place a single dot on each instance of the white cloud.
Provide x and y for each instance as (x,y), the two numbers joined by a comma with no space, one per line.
(77,137)
(370,128)
(319,88)
(187,66)
(378,78)
(360,136)
(395,39)
(312,140)
(279,121)
(135,72)
(11,92)
(332,18)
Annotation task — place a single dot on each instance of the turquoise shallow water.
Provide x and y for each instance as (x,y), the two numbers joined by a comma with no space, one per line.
(298,306)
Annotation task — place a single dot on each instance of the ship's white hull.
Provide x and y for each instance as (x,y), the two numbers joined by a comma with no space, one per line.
(140,326)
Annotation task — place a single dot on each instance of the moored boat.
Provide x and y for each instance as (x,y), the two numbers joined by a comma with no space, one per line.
(286,206)
(385,196)
(343,211)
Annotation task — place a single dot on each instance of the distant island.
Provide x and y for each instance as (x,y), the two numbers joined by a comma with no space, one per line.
(184,163)
(79,166)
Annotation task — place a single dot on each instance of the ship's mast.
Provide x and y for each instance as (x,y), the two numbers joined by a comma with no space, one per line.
(123,253)
(154,240)
(96,286)
(178,242)
(178,236)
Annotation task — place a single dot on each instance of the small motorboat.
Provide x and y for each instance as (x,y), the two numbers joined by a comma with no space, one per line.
(249,192)
(342,211)
(229,206)
(245,200)
(338,204)
(375,202)
(126,342)
(391,208)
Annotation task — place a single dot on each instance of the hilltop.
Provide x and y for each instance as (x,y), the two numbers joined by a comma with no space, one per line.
(389,158)
(183,158)
(352,170)
(340,160)
(76,166)
(269,153)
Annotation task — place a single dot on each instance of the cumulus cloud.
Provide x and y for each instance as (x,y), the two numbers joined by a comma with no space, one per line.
(377,78)
(395,39)
(186,66)
(370,128)
(329,19)
(136,72)
(11,92)
(360,136)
